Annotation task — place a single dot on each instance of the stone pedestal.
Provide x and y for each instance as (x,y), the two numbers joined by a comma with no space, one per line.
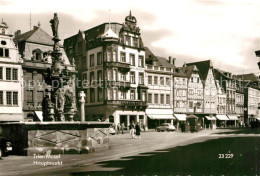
(30,138)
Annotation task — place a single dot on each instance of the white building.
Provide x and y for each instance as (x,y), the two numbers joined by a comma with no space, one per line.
(10,78)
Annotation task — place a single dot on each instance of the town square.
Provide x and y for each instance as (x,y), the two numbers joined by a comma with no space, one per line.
(128,94)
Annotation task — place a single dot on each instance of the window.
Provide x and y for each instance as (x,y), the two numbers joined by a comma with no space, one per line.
(132,59)
(37,54)
(167,99)
(150,96)
(123,77)
(92,60)
(155,98)
(143,96)
(150,80)
(162,98)
(114,74)
(191,92)
(123,59)
(99,58)
(141,78)
(109,75)
(135,42)
(110,94)
(123,95)
(190,104)
(155,80)
(114,56)
(1,73)
(15,98)
(115,94)
(100,94)
(8,73)
(162,81)
(9,98)
(4,52)
(128,40)
(99,76)
(1,98)
(132,77)
(91,79)
(168,83)
(92,95)
(132,94)
(15,74)
(109,56)
(141,61)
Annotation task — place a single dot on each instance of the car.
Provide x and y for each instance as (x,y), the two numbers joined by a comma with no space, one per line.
(112,131)
(165,127)
(5,147)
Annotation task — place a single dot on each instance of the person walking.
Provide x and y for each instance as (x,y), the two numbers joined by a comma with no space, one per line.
(122,127)
(118,128)
(137,130)
(132,129)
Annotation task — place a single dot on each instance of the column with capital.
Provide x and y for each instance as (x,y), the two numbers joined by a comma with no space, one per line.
(82,106)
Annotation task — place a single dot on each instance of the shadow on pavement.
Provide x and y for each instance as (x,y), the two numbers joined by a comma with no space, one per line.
(204,158)
(240,131)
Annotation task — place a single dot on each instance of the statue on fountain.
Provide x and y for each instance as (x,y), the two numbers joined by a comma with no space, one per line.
(59,101)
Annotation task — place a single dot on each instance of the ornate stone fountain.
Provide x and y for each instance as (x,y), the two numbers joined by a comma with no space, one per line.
(58,103)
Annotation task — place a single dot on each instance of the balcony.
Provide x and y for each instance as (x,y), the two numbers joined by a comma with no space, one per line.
(121,65)
(124,84)
(126,103)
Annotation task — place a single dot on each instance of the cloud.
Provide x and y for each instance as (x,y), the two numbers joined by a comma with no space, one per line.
(226,31)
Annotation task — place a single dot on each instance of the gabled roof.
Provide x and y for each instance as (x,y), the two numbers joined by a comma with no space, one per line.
(37,35)
(164,62)
(203,67)
(248,77)
(188,70)
(220,74)
(148,54)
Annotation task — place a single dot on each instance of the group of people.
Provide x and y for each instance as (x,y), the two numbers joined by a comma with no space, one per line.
(135,129)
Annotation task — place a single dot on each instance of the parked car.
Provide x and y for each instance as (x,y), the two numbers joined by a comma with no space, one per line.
(112,130)
(165,127)
(5,147)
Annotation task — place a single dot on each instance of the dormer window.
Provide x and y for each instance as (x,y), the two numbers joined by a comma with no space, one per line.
(4,52)
(128,40)
(135,41)
(3,31)
(37,54)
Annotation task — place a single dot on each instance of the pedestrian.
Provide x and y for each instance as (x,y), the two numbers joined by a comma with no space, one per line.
(118,128)
(132,129)
(122,127)
(137,130)
(144,127)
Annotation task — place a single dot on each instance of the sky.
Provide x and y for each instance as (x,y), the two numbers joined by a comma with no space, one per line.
(225,31)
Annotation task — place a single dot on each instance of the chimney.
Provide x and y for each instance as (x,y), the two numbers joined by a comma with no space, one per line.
(170,59)
(35,27)
(173,61)
(17,33)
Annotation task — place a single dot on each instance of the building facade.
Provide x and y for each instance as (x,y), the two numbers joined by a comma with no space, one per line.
(113,73)
(195,90)
(11,80)
(159,76)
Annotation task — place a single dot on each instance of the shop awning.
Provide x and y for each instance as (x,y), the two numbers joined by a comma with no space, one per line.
(222,117)
(258,118)
(11,117)
(39,115)
(210,118)
(232,117)
(163,116)
(180,117)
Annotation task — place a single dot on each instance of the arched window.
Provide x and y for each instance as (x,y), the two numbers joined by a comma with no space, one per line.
(37,54)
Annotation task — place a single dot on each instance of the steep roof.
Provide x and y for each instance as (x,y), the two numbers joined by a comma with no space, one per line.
(188,70)
(37,35)
(164,62)
(249,77)
(203,67)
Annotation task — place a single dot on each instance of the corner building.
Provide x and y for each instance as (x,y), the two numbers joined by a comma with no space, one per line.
(11,79)
(113,72)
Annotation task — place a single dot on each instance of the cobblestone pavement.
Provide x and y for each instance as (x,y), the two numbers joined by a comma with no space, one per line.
(122,145)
